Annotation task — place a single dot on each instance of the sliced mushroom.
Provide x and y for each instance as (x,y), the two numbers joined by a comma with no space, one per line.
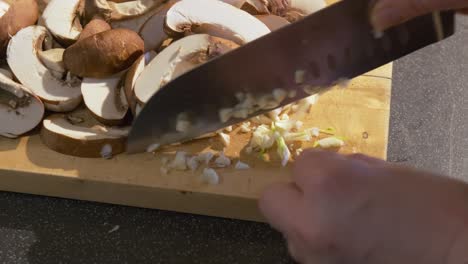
(256,7)
(79,134)
(130,79)
(152,30)
(20,14)
(53,60)
(222,20)
(135,23)
(104,54)
(20,111)
(22,57)
(96,8)
(291,10)
(180,57)
(95,26)
(273,22)
(105,99)
(62,20)
(129,9)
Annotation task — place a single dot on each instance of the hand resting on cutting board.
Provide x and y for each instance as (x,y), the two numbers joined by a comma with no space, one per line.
(388,13)
(360,210)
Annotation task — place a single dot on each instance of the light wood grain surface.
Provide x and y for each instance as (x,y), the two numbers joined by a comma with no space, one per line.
(27,166)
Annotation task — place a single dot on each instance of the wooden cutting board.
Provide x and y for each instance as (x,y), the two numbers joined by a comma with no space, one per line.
(360,113)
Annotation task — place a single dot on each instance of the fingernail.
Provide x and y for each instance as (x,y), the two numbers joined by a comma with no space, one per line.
(384,15)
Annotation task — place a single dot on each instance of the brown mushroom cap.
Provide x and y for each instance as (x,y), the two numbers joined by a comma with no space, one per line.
(104,54)
(79,134)
(95,26)
(21,14)
(273,22)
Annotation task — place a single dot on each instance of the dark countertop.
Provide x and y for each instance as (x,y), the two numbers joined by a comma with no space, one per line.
(429,130)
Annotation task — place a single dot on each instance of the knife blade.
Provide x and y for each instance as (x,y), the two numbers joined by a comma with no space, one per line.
(332,44)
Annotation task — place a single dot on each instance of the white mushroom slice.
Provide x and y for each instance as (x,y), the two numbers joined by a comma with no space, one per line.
(83,139)
(135,23)
(222,20)
(180,57)
(105,99)
(20,111)
(57,95)
(128,9)
(60,17)
(52,59)
(273,22)
(152,31)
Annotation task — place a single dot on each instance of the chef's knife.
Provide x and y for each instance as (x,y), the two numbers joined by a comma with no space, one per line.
(335,43)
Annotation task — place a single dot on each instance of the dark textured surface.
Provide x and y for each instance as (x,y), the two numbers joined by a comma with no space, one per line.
(429,129)
(429,119)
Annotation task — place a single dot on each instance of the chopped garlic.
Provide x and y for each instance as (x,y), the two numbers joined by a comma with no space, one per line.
(285,125)
(378,34)
(294,108)
(261,119)
(330,142)
(225,114)
(192,163)
(241,113)
(183,125)
(225,138)
(205,157)
(210,176)
(292,94)
(299,76)
(275,114)
(240,96)
(228,129)
(299,152)
(263,137)
(106,151)
(245,127)
(315,131)
(153,147)
(279,95)
(180,161)
(222,161)
(299,124)
(242,166)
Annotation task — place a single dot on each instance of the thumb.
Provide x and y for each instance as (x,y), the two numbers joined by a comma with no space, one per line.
(388,13)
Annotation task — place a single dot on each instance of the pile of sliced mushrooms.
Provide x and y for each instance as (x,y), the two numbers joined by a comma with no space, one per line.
(81,70)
